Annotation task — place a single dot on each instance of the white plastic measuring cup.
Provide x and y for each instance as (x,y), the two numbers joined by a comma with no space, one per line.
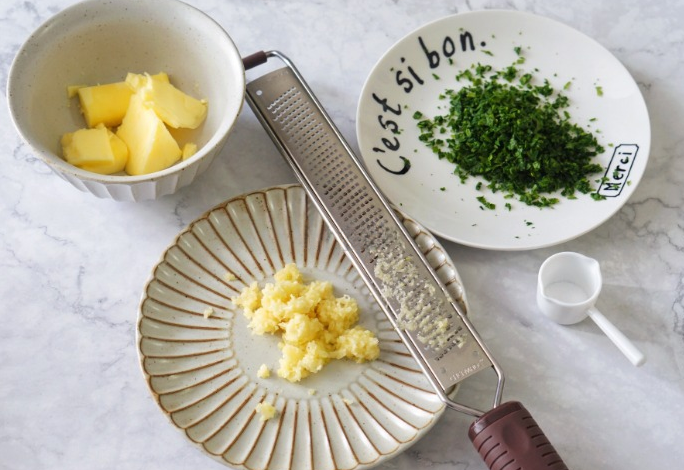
(567,288)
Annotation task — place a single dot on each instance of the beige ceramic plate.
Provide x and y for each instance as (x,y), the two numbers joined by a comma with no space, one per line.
(202,371)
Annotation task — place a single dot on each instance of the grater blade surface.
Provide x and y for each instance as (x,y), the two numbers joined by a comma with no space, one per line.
(435,330)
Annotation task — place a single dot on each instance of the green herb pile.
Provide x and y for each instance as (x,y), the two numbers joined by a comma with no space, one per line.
(515,134)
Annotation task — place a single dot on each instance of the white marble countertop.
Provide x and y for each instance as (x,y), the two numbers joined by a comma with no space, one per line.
(72,267)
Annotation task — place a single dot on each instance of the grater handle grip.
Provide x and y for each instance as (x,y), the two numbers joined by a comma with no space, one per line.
(255,59)
(508,434)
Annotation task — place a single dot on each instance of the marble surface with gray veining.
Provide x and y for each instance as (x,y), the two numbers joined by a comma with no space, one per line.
(72,267)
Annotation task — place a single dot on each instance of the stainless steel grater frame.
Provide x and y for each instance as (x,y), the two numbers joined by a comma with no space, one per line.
(412,296)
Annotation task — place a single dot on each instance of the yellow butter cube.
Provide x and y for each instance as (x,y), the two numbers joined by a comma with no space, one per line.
(104,104)
(97,150)
(150,145)
(72,90)
(189,150)
(175,108)
(136,81)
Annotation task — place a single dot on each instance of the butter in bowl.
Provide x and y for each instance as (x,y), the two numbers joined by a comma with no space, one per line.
(179,69)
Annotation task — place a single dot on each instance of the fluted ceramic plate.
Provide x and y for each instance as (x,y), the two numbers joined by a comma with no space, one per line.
(202,371)
(414,72)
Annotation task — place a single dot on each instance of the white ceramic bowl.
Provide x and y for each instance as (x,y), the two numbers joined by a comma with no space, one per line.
(99,41)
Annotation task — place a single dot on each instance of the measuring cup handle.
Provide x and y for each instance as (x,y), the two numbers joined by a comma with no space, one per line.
(635,356)
(507,436)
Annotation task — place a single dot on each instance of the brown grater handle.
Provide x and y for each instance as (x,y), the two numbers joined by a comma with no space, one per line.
(255,59)
(508,437)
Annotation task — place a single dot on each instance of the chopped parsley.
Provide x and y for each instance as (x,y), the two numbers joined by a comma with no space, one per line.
(514,131)
(486,203)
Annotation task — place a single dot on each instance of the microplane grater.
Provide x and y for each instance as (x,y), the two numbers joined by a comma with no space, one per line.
(369,232)
(358,215)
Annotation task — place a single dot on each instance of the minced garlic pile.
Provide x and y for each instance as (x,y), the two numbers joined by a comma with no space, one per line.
(265,410)
(316,326)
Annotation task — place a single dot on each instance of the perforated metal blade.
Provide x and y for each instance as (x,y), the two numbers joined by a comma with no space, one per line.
(430,323)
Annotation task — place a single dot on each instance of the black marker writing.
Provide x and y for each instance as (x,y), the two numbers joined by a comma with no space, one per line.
(618,170)
(385,106)
(404,169)
(405,82)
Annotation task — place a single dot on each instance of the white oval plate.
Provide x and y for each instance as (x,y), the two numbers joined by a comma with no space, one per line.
(202,371)
(393,92)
